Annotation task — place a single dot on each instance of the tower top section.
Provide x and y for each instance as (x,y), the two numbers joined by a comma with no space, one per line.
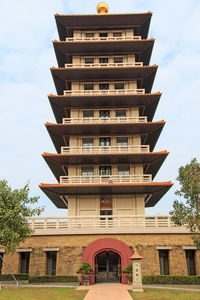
(102,8)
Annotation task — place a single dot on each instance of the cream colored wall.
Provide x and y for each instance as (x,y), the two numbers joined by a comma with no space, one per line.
(125,32)
(90,205)
(81,59)
(131,112)
(76,170)
(77,141)
(128,205)
(132,84)
(83,205)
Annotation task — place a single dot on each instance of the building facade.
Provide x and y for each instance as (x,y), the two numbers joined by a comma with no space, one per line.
(105,163)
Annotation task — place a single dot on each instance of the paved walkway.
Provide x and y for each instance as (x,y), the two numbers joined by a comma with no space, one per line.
(107,291)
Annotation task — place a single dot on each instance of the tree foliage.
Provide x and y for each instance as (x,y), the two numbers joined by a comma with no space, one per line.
(15,206)
(188,214)
(129,269)
(85,269)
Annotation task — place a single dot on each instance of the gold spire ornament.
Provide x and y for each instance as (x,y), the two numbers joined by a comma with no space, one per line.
(102,8)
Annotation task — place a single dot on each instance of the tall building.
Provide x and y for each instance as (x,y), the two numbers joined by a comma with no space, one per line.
(105,163)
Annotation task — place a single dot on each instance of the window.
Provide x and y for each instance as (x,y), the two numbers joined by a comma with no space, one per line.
(122,141)
(104,113)
(103,60)
(118,60)
(24,259)
(123,170)
(105,170)
(87,142)
(105,142)
(87,171)
(88,86)
(121,113)
(164,262)
(88,114)
(1,261)
(89,34)
(119,86)
(103,34)
(89,60)
(51,263)
(104,86)
(117,34)
(106,213)
(190,260)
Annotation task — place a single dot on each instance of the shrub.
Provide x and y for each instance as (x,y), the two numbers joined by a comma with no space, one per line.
(85,268)
(52,278)
(170,279)
(8,277)
(129,269)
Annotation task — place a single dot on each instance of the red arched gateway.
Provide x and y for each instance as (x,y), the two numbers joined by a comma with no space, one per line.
(108,244)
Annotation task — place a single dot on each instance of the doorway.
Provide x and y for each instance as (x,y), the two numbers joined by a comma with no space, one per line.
(107,267)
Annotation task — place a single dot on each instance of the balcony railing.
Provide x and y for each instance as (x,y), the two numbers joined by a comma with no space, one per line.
(113,221)
(105,179)
(104,92)
(105,65)
(105,149)
(99,39)
(105,120)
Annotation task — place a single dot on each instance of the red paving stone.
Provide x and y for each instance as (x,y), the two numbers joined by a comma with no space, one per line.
(107,291)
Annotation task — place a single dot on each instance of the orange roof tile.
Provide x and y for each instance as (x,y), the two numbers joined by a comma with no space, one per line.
(100,184)
(60,154)
(63,68)
(60,124)
(157,93)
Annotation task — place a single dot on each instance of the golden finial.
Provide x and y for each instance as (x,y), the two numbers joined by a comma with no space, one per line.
(135,251)
(102,8)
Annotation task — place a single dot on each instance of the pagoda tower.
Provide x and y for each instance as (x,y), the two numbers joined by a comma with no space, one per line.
(105,163)
(104,134)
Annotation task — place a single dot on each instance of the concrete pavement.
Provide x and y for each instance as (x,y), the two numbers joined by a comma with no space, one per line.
(107,291)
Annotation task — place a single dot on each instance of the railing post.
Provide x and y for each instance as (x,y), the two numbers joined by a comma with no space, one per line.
(106,222)
(45,223)
(32,224)
(169,221)
(57,223)
(156,221)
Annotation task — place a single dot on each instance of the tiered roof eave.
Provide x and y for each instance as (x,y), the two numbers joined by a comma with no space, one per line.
(59,133)
(145,75)
(141,48)
(140,22)
(154,191)
(58,163)
(146,102)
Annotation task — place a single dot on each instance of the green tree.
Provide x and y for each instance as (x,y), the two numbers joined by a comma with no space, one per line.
(85,268)
(188,214)
(15,206)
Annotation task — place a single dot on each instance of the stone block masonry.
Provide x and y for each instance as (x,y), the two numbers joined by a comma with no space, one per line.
(71,247)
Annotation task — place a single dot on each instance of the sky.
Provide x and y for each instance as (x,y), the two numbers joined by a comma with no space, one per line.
(26,54)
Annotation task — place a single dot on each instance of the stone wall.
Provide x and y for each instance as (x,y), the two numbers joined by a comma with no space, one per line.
(71,248)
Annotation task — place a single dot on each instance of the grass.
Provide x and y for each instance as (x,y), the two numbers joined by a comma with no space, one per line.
(21,293)
(156,294)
